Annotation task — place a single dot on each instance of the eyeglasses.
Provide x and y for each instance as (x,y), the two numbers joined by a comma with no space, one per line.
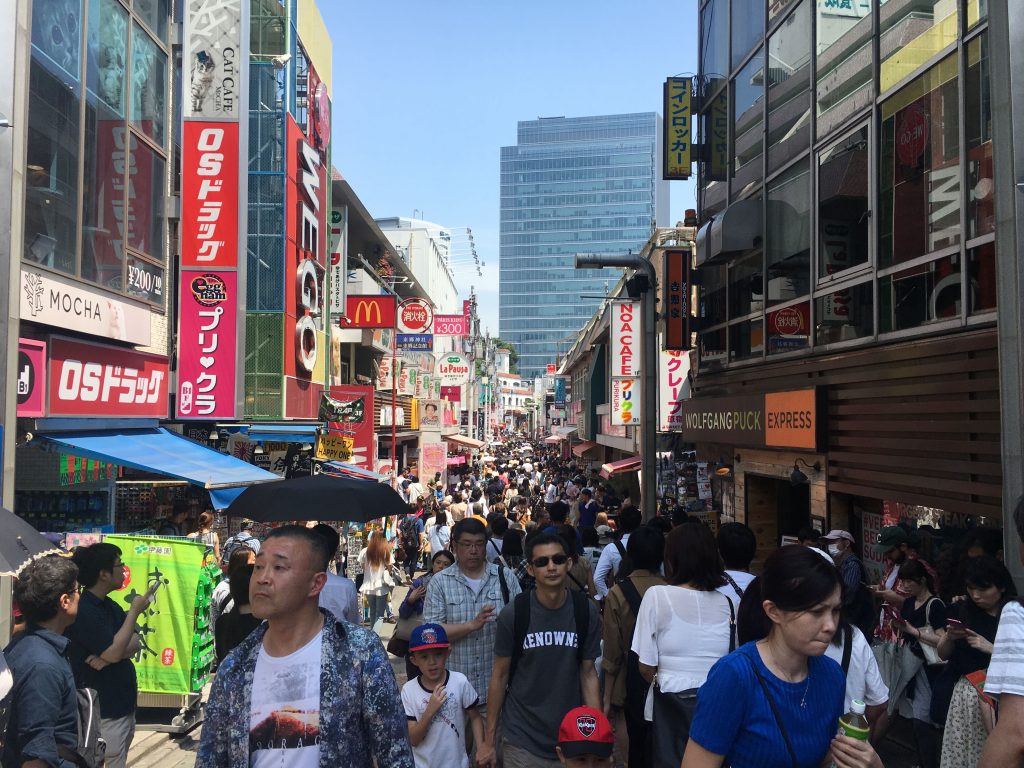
(542,561)
(471,544)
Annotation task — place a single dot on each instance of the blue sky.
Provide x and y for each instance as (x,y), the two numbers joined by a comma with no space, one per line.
(426,93)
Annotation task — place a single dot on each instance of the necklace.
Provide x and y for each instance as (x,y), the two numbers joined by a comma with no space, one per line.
(807,683)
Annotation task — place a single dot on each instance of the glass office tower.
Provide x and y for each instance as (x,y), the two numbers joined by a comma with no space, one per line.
(568,186)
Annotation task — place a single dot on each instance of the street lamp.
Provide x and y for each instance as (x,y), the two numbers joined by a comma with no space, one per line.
(643,282)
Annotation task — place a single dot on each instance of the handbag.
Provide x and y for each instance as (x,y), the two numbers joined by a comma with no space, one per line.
(930,652)
(404,627)
(398,647)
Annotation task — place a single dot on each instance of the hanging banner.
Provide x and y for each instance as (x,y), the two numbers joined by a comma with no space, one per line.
(560,392)
(206,345)
(625,401)
(337,260)
(333,448)
(211,55)
(677,149)
(209,195)
(453,370)
(358,416)
(673,388)
(625,336)
(675,299)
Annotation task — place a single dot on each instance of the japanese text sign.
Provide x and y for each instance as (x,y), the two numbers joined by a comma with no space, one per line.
(625,335)
(338,260)
(625,401)
(677,149)
(209,195)
(673,389)
(354,407)
(676,299)
(98,380)
(451,325)
(206,345)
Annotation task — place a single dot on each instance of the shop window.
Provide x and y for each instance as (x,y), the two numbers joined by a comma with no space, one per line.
(919,179)
(911,33)
(844,315)
(978,124)
(748,126)
(746,285)
(747,28)
(789,82)
(712,295)
(714,33)
(981,269)
(977,12)
(918,296)
(147,176)
(148,86)
(746,340)
(843,205)
(789,328)
(844,60)
(154,13)
(788,238)
(51,171)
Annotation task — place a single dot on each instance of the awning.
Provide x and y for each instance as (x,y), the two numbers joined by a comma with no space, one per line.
(565,431)
(464,440)
(163,452)
(283,433)
(554,439)
(345,469)
(632,464)
(581,448)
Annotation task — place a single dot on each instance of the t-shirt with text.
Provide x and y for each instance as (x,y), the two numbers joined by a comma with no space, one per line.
(445,743)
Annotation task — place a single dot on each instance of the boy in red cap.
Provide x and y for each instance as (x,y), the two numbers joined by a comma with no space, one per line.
(437,703)
(585,739)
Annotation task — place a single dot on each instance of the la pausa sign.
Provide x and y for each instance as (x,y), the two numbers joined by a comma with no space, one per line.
(453,370)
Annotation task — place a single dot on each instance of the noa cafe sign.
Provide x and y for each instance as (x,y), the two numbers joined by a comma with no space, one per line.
(453,370)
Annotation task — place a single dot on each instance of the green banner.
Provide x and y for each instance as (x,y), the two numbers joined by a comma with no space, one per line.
(165,662)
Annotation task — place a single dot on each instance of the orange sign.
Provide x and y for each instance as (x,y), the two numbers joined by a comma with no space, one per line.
(369,312)
(791,419)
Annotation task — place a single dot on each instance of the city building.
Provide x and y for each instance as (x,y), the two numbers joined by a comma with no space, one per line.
(568,186)
(427,249)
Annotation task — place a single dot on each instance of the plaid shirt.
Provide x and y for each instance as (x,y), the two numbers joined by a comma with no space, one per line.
(450,600)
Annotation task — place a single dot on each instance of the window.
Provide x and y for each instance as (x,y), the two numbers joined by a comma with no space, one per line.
(843,207)
(715,168)
(844,59)
(712,346)
(981,269)
(844,315)
(927,293)
(978,124)
(154,13)
(748,124)
(919,179)
(775,7)
(977,12)
(747,28)
(911,33)
(714,28)
(789,328)
(746,286)
(787,230)
(746,339)
(789,101)
(148,86)
(712,295)
(146,172)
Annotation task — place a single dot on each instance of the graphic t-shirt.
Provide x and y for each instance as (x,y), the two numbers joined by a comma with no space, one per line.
(445,743)
(284,722)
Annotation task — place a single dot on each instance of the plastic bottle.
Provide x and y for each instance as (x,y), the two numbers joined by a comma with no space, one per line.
(853,723)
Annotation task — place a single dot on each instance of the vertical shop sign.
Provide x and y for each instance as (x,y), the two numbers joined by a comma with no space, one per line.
(209,195)
(625,363)
(673,388)
(212,55)
(206,345)
(339,259)
(560,392)
(716,138)
(677,149)
(676,299)
(353,417)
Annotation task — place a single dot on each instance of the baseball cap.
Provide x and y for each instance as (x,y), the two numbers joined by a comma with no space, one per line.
(585,731)
(427,636)
(838,534)
(890,536)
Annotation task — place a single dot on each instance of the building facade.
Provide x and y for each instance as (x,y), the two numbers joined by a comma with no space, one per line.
(568,186)
(426,247)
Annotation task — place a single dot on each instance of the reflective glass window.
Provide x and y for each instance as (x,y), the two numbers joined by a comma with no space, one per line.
(712,346)
(712,295)
(981,269)
(748,125)
(715,167)
(747,28)
(787,234)
(844,315)
(844,60)
(919,180)
(746,339)
(978,124)
(977,11)
(154,13)
(148,86)
(775,7)
(912,32)
(921,295)
(843,205)
(146,172)
(714,27)
(789,328)
(789,78)
(746,285)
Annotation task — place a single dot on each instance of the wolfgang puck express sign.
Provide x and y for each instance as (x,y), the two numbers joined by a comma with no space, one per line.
(794,419)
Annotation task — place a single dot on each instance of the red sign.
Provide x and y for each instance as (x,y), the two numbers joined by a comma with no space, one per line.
(676,297)
(207,345)
(359,422)
(911,134)
(451,325)
(209,195)
(98,380)
(451,394)
(791,321)
(552,368)
(415,316)
(31,374)
(369,312)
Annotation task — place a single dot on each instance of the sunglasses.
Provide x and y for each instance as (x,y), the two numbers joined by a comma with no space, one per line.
(542,561)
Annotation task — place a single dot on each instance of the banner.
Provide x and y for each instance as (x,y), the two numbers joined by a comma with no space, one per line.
(560,392)
(355,404)
(433,459)
(625,402)
(209,195)
(677,150)
(673,389)
(165,662)
(430,415)
(333,448)
(625,363)
(451,325)
(415,316)
(338,259)
(206,345)
(453,370)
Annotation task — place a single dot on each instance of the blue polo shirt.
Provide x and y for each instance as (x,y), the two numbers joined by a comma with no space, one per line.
(91,634)
(44,705)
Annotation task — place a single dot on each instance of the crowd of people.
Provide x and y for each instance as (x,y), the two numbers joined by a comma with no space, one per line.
(546,623)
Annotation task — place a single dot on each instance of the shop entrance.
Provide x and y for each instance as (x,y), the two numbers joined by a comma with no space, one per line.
(776,508)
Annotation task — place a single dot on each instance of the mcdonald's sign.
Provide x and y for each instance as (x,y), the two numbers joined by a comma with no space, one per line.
(369,312)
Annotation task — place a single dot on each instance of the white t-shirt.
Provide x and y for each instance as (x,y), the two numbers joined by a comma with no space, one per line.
(551,494)
(682,632)
(284,719)
(863,680)
(742,579)
(445,743)
(1006,670)
(339,597)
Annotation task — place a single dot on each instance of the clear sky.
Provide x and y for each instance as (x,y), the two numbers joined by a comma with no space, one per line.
(426,93)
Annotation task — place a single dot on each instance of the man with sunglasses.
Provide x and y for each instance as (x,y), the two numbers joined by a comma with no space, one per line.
(544,662)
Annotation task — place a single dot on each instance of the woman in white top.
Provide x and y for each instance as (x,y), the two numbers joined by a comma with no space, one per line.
(682,629)
(439,531)
(377,581)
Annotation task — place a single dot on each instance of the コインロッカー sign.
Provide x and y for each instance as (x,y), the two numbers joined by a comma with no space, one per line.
(793,419)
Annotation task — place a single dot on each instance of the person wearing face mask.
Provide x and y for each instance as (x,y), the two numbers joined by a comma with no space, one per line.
(858,605)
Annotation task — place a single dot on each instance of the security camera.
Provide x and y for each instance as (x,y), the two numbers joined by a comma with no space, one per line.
(281,61)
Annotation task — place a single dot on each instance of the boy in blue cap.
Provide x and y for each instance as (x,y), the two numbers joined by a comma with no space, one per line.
(437,703)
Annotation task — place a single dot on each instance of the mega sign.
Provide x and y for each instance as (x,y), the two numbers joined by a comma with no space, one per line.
(625,363)
(209,195)
(206,345)
(794,419)
(97,380)
(453,370)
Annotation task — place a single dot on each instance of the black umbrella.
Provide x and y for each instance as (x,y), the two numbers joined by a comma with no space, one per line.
(20,543)
(320,497)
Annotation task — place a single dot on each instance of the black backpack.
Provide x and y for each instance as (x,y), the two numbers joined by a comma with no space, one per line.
(409,533)
(861,611)
(625,565)
(521,626)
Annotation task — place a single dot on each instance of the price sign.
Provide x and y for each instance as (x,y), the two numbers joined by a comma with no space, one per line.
(451,325)
(145,281)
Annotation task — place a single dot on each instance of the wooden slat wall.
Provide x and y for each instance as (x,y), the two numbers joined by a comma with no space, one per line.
(916,422)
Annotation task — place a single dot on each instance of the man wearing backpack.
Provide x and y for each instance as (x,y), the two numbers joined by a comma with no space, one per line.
(243,538)
(411,536)
(610,563)
(544,653)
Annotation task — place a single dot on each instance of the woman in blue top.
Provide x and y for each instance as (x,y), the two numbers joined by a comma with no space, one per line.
(775,702)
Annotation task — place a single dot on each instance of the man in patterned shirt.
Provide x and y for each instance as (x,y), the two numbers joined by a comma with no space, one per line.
(305,689)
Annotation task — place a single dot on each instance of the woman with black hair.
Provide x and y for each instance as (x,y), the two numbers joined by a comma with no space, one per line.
(776,700)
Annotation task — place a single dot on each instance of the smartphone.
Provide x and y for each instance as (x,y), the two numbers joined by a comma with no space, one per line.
(954,623)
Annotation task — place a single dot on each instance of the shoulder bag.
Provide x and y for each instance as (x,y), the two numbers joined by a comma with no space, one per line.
(930,652)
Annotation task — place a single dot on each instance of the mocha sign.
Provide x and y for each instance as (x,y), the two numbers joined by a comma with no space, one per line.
(793,419)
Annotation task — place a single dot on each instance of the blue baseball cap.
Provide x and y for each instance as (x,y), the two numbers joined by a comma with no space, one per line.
(427,636)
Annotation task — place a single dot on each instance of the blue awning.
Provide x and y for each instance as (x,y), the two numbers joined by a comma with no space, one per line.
(350,470)
(163,452)
(283,433)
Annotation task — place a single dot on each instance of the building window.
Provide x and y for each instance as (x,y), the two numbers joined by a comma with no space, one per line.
(714,28)
(977,12)
(147,176)
(844,60)
(746,285)
(919,179)
(748,124)
(843,205)
(746,339)
(920,295)
(149,86)
(712,346)
(747,28)
(789,82)
(844,314)
(776,7)
(788,238)
(978,125)
(789,328)
(714,130)
(911,33)
(712,292)
(155,14)
(981,269)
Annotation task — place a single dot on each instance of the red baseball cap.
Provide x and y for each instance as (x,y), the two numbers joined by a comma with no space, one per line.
(585,731)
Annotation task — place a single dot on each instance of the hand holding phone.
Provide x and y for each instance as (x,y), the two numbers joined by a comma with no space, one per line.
(954,624)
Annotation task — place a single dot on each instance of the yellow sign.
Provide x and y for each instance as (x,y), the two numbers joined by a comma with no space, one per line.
(677,149)
(334,448)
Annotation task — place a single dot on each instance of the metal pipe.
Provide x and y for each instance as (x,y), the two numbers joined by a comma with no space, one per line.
(648,371)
